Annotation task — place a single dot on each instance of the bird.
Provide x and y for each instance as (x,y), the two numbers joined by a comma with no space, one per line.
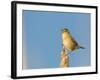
(68,41)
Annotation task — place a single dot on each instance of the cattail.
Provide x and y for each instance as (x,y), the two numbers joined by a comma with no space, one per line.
(64,58)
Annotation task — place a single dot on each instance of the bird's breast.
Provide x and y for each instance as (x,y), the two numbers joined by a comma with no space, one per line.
(68,42)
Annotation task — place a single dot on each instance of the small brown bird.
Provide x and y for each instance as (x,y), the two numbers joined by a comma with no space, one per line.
(68,41)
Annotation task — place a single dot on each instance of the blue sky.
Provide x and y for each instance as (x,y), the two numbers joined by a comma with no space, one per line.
(42,38)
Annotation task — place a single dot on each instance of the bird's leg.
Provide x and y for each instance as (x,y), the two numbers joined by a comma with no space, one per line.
(67,51)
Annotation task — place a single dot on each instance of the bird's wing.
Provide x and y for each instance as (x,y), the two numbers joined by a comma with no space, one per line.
(74,40)
(77,45)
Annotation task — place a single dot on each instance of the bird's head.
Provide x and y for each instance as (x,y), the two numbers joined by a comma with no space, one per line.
(65,30)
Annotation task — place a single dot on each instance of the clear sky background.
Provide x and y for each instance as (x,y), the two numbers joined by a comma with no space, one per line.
(42,42)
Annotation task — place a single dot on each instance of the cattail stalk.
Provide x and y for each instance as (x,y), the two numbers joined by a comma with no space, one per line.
(64,58)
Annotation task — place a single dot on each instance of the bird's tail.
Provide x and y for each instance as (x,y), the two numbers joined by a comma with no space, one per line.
(81,47)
